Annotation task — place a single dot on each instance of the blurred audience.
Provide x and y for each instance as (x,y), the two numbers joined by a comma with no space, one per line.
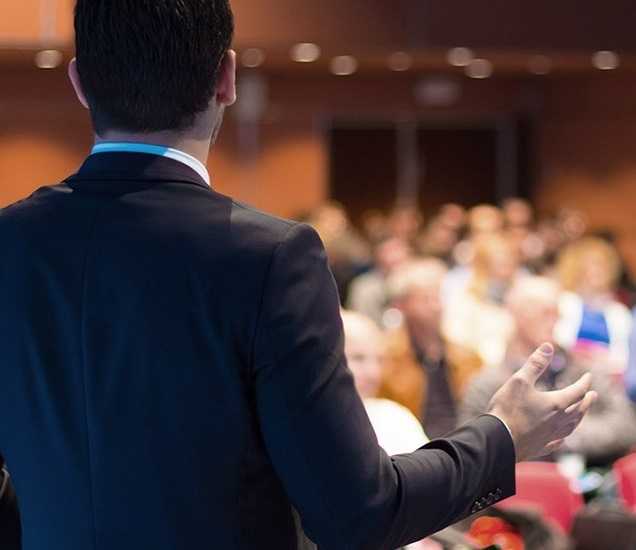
(464,297)
(520,229)
(482,220)
(398,431)
(474,316)
(367,294)
(439,240)
(374,225)
(594,326)
(405,222)
(423,372)
(485,219)
(349,254)
(533,302)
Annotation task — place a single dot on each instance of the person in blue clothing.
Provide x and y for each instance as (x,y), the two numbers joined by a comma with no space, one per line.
(630,373)
(594,326)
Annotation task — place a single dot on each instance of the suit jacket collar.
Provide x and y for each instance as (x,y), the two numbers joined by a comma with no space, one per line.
(131,168)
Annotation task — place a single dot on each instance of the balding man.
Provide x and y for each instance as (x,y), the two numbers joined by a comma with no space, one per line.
(424,372)
(610,428)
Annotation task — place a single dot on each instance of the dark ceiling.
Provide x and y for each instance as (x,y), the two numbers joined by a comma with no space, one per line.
(375,25)
(505,31)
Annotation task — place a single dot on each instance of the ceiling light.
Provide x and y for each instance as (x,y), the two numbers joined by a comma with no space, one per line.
(460,57)
(344,65)
(606,60)
(252,58)
(400,61)
(438,91)
(48,59)
(479,68)
(540,65)
(305,52)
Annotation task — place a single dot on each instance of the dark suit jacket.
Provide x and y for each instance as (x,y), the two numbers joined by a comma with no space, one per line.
(173,377)
(9,517)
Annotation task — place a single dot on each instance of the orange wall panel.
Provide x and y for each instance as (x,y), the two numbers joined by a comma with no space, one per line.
(20,21)
(585,128)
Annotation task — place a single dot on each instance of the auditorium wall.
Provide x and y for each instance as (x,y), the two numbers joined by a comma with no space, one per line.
(585,130)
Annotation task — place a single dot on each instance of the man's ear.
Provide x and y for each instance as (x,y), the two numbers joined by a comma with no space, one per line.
(73,76)
(226,84)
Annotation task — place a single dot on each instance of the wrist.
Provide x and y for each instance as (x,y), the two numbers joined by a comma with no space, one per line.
(509,428)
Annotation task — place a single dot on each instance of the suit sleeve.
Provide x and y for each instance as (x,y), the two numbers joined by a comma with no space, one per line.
(10,528)
(349,493)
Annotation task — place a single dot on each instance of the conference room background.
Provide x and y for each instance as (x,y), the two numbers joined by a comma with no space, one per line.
(368,118)
(560,116)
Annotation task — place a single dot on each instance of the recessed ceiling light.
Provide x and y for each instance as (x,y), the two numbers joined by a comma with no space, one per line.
(344,65)
(479,68)
(438,91)
(400,61)
(606,60)
(305,52)
(540,65)
(460,57)
(48,59)
(252,58)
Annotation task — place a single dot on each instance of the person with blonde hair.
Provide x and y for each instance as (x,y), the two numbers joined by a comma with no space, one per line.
(483,220)
(475,317)
(593,325)
(424,372)
(398,431)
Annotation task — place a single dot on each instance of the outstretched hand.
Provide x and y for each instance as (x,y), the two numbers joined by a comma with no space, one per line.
(540,421)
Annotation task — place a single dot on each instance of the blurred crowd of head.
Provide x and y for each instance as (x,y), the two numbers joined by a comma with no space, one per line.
(438,313)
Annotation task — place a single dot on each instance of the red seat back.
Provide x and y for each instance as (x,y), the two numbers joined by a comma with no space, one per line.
(542,487)
(625,473)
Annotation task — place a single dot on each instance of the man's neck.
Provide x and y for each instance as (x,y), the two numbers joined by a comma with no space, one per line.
(198,148)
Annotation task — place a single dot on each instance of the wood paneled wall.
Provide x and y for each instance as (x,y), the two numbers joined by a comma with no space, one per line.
(585,129)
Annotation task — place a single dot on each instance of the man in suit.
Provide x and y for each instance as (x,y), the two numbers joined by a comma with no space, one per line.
(173,374)
(9,516)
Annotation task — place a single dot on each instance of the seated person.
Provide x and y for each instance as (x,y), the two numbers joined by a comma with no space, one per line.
(594,326)
(398,431)
(423,372)
(367,294)
(474,316)
(609,430)
(630,373)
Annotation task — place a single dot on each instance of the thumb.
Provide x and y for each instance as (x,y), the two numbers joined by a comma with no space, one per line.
(537,364)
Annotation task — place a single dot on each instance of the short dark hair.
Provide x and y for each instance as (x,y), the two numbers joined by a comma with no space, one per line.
(150,65)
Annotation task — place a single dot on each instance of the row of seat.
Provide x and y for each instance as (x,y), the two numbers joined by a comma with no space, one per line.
(542,487)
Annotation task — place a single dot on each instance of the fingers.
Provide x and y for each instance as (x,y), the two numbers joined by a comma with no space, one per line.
(553,446)
(573,394)
(574,414)
(537,364)
(584,405)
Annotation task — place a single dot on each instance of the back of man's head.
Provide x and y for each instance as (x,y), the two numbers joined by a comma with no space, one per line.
(150,65)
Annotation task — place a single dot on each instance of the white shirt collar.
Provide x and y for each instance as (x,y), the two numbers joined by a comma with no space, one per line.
(160,150)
